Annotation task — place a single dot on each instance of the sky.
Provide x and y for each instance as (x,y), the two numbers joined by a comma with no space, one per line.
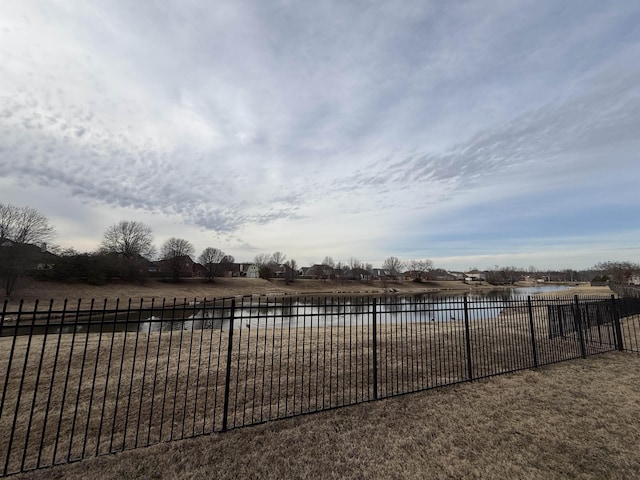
(474,134)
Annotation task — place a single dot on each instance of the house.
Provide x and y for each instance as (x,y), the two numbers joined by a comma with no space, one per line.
(230,270)
(381,273)
(227,269)
(181,266)
(634,279)
(475,276)
(319,272)
(285,271)
(251,271)
(385,274)
(457,275)
(199,270)
(442,275)
(302,272)
(35,257)
(360,274)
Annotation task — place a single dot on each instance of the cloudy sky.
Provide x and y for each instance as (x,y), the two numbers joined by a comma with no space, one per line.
(472,133)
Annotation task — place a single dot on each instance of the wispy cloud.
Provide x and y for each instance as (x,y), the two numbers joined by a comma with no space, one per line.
(253,120)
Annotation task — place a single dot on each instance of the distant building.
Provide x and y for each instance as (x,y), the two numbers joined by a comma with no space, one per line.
(35,257)
(475,276)
(252,271)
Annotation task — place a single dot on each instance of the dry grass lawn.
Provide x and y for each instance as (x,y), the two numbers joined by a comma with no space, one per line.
(70,396)
(415,355)
(576,419)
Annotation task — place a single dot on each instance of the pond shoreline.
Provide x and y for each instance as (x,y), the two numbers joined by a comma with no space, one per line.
(198,289)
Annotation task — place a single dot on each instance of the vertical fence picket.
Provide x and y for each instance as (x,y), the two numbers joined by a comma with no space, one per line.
(155,368)
(7,373)
(534,347)
(468,339)
(120,369)
(19,396)
(81,375)
(579,327)
(166,370)
(374,321)
(93,383)
(191,328)
(51,385)
(227,382)
(197,387)
(205,408)
(35,392)
(132,376)
(106,382)
(144,371)
(616,323)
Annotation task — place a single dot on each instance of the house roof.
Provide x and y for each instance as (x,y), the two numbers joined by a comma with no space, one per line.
(39,254)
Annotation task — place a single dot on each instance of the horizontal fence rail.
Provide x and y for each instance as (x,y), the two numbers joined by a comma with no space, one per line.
(81,380)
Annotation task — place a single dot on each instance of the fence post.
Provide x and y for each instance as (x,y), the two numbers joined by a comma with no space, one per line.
(468,339)
(533,333)
(616,323)
(375,351)
(578,320)
(227,382)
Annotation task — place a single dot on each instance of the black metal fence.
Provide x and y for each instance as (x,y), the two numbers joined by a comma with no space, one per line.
(625,290)
(85,380)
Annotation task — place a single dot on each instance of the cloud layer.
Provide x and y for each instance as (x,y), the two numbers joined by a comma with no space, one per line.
(350,120)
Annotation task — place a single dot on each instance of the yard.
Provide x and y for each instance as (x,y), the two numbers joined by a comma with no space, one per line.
(67,396)
(575,419)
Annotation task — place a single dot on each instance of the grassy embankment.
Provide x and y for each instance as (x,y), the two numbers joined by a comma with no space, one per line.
(31,290)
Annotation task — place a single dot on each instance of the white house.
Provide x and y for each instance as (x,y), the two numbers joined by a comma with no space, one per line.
(252,271)
(475,276)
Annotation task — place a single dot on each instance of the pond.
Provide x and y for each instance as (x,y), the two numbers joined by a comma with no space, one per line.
(292,313)
(436,307)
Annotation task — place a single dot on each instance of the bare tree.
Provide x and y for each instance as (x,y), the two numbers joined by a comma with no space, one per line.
(278,258)
(8,217)
(210,255)
(420,268)
(338,273)
(501,275)
(263,262)
(176,247)
(210,258)
(214,260)
(291,270)
(394,266)
(225,265)
(15,260)
(618,272)
(327,267)
(24,225)
(328,261)
(129,239)
(354,263)
(177,253)
(262,259)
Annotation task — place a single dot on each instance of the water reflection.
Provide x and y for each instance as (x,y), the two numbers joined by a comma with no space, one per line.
(291,313)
